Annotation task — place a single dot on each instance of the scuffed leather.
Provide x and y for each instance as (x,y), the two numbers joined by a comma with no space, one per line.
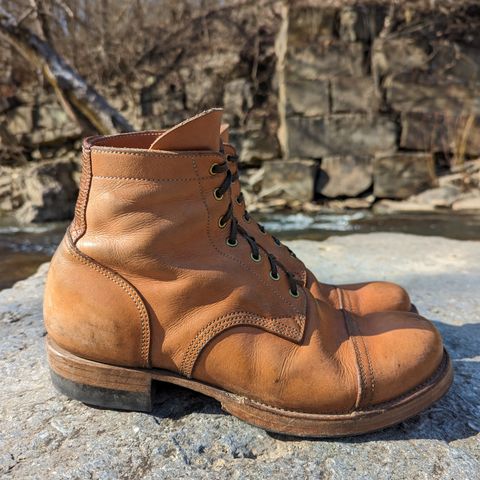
(92,311)
(214,314)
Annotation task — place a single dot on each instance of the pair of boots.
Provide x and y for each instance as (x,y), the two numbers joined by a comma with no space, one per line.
(164,276)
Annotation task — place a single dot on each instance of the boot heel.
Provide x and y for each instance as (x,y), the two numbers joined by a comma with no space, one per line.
(98,384)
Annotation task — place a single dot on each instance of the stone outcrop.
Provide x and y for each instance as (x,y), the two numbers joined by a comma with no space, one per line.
(344,176)
(318,82)
(292,180)
(356,82)
(402,174)
(39,192)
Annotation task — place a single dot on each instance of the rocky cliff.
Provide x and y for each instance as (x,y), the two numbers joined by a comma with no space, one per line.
(330,100)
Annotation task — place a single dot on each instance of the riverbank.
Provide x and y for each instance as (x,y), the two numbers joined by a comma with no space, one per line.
(24,248)
(44,435)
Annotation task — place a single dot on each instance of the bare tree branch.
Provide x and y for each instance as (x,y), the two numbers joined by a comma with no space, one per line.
(83,102)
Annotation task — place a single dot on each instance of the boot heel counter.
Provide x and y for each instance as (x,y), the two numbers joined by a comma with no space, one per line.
(93,312)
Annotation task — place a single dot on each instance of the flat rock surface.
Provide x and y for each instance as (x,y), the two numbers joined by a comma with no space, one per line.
(43,435)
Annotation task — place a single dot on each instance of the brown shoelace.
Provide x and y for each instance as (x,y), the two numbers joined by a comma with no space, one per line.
(236,229)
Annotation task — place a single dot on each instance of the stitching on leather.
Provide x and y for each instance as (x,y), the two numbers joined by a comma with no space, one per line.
(369,392)
(370,368)
(153,180)
(220,324)
(139,152)
(79,224)
(351,334)
(231,257)
(126,134)
(115,278)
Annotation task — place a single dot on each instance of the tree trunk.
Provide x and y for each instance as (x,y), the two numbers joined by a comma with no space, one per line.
(93,113)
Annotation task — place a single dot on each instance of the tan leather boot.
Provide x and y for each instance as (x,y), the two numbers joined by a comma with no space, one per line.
(156,280)
(361,298)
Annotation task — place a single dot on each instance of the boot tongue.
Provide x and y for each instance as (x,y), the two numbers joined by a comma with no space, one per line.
(225,132)
(201,132)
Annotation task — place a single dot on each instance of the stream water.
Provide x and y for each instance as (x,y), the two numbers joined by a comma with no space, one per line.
(24,248)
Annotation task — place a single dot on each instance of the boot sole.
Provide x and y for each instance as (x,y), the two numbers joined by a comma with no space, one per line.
(121,388)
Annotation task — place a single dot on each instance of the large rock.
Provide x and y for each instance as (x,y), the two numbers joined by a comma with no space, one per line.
(356,134)
(399,54)
(344,176)
(402,174)
(307,97)
(237,99)
(258,142)
(439,197)
(406,93)
(469,202)
(326,58)
(440,133)
(42,121)
(48,191)
(291,180)
(458,62)
(354,94)
(46,436)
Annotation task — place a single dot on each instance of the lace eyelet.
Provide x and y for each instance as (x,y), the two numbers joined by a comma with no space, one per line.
(256,259)
(262,230)
(293,294)
(221,224)
(211,169)
(237,201)
(247,219)
(275,277)
(293,255)
(216,195)
(231,244)
(277,242)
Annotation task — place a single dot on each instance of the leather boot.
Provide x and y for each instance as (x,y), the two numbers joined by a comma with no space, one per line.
(156,280)
(361,298)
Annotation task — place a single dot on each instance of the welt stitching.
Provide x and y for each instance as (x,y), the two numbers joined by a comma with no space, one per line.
(376,409)
(153,180)
(363,382)
(231,256)
(217,326)
(129,291)
(380,407)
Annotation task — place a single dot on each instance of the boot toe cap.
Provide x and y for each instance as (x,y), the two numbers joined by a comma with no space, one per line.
(366,298)
(403,350)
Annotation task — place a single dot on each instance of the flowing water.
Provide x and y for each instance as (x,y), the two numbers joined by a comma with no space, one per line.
(24,248)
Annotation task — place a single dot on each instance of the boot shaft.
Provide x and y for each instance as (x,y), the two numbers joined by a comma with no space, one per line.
(152,217)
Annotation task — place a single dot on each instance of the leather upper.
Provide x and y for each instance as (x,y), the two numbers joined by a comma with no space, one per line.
(147,261)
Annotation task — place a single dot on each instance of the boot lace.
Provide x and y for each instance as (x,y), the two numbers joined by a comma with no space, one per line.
(236,229)
(247,217)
